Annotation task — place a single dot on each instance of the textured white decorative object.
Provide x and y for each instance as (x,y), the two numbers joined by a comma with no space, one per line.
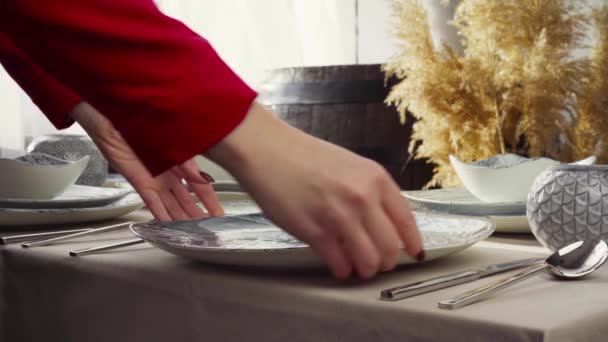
(38,176)
(569,203)
(503,177)
(74,147)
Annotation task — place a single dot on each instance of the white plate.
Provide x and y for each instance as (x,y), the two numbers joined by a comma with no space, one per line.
(24,217)
(511,224)
(252,240)
(76,196)
(460,201)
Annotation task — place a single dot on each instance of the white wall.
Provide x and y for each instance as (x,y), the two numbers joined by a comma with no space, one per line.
(375,42)
(253,36)
(10,121)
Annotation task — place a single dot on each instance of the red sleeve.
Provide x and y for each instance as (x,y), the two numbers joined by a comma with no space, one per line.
(161,85)
(53,98)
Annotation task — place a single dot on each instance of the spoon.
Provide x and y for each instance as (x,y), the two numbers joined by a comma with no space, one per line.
(571,262)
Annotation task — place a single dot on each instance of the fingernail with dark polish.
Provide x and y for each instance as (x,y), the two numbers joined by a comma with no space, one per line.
(207,177)
(420,256)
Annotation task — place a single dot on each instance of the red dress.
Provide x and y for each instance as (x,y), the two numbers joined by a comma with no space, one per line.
(159,83)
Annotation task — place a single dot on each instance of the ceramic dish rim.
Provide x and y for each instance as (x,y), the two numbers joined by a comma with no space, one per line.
(524,160)
(132,196)
(113,198)
(578,167)
(407,195)
(63,161)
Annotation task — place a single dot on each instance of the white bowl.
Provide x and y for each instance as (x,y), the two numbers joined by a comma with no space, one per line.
(38,176)
(504,177)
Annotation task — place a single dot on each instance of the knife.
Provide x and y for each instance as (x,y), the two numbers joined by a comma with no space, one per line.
(424,286)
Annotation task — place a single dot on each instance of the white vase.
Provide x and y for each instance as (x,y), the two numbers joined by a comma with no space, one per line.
(442,31)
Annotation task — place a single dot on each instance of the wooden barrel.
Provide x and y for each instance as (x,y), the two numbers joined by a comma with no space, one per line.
(344,105)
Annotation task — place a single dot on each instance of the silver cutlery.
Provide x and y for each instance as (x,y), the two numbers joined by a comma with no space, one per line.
(437,283)
(103,248)
(29,237)
(76,235)
(573,261)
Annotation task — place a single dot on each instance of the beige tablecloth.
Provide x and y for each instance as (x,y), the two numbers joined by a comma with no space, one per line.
(141,293)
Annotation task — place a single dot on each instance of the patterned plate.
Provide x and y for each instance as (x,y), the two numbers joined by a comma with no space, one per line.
(76,196)
(252,240)
(10,217)
(460,201)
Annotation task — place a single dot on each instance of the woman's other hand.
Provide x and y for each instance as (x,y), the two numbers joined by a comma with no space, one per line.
(165,195)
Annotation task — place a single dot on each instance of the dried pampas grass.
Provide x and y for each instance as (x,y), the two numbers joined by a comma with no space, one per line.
(517,88)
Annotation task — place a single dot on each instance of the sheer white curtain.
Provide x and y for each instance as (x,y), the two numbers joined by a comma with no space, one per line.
(20,118)
(10,115)
(251,36)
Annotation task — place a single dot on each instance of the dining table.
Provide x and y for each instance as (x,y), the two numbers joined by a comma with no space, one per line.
(142,293)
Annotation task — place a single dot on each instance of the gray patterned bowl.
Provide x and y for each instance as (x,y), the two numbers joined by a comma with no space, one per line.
(568,203)
(74,147)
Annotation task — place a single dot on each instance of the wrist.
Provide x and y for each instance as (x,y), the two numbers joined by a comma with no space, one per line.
(250,142)
(93,122)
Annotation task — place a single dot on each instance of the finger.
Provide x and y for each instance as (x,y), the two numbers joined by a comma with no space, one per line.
(362,252)
(191,173)
(384,235)
(327,247)
(186,202)
(359,247)
(332,252)
(209,198)
(155,205)
(190,167)
(173,207)
(179,194)
(398,209)
(182,195)
(197,177)
(177,171)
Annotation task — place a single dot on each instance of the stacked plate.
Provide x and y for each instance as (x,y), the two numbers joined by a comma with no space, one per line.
(509,217)
(77,204)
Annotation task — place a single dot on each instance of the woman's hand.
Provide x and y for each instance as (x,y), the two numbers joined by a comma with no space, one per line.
(347,208)
(165,195)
